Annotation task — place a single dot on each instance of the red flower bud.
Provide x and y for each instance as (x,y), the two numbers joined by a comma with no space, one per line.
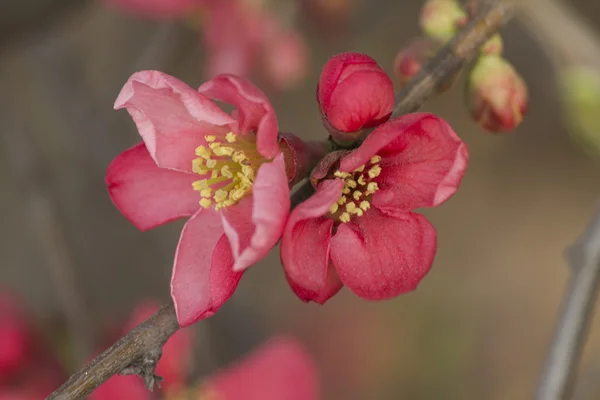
(411,58)
(354,93)
(496,94)
(441,19)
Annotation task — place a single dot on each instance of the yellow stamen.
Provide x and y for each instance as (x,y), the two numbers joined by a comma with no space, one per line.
(345,217)
(351,183)
(358,212)
(341,174)
(230,137)
(334,207)
(365,205)
(203,152)
(210,138)
(205,203)
(361,180)
(342,200)
(350,207)
(346,190)
(375,159)
(206,192)
(356,195)
(374,171)
(226,172)
(360,169)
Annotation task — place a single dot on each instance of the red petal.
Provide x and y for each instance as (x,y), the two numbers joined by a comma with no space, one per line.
(381,256)
(255,224)
(423,161)
(305,240)
(255,113)
(171,117)
(333,284)
(147,195)
(280,369)
(122,387)
(203,277)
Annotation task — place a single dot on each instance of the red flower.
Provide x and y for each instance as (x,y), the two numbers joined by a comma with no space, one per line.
(280,369)
(224,171)
(354,93)
(358,229)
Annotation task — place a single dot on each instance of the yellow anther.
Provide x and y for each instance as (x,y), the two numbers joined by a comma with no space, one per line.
(374,171)
(350,207)
(210,138)
(372,187)
(205,203)
(358,212)
(206,192)
(213,146)
(346,190)
(361,180)
(375,159)
(360,169)
(345,217)
(238,194)
(341,174)
(365,205)
(226,172)
(211,163)
(223,151)
(200,185)
(198,166)
(351,183)
(334,207)
(203,152)
(238,156)
(356,195)
(248,171)
(230,137)
(220,195)
(342,200)
(214,174)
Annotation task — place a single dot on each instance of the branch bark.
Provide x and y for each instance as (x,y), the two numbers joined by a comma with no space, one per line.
(137,352)
(141,348)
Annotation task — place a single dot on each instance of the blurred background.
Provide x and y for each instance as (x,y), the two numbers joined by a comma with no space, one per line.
(479,325)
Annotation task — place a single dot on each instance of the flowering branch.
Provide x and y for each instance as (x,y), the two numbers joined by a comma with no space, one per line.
(139,351)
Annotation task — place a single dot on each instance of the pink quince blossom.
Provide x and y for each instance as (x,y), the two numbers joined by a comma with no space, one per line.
(173,365)
(354,93)
(360,226)
(225,171)
(280,369)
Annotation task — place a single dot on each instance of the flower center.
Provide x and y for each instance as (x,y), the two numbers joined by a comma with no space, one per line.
(358,189)
(229,164)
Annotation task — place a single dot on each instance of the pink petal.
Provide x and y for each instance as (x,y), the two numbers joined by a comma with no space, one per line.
(161,9)
(203,277)
(382,256)
(333,284)
(305,240)
(280,369)
(423,161)
(256,223)
(255,113)
(147,195)
(122,387)
(176,353)
(171,117)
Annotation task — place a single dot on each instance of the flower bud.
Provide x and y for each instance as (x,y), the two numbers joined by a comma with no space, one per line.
(441,19)
(354,93)
(411,58)
(494,46)
(496,94)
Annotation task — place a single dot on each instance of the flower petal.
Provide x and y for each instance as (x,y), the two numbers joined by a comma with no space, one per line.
(171,117)
(333,284)
(280,369)
(203,277)
(382,256)
(147,195)
(423,161)
(255,113)
(256,223)
(305,240)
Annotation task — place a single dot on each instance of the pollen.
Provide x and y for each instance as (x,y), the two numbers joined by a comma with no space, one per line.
(228,164)
(359,187)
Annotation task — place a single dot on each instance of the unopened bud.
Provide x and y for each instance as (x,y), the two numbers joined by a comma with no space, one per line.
(494,46)
(496,94)
(410,59)
(441,19)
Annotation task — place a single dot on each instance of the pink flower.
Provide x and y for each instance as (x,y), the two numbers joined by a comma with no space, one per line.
(280,369)
(173,365)
(354,93)
(162,9)
(411,58)
(224,171)
(359,228)
(285,58)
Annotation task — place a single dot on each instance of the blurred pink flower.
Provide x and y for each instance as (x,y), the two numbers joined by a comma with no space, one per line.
(354,93)
(235,163)
(411,58)
(358,229)
(280,369)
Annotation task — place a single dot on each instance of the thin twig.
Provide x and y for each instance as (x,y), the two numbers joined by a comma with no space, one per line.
(137,352)
(575,318)
(147,339)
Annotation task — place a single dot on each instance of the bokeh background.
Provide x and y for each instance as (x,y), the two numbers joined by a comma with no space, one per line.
(478,326)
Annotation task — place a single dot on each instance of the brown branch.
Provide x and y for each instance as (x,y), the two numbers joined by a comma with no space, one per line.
(137,353)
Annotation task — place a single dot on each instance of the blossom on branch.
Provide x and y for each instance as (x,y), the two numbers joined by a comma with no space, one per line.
(227,172)
(359,228)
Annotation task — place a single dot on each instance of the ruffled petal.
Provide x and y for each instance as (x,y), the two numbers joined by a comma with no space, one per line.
(203,277)
(147,195)
(256,223)
(255,113)
(423,161)
(171,117)
(305,240)
(381,256)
